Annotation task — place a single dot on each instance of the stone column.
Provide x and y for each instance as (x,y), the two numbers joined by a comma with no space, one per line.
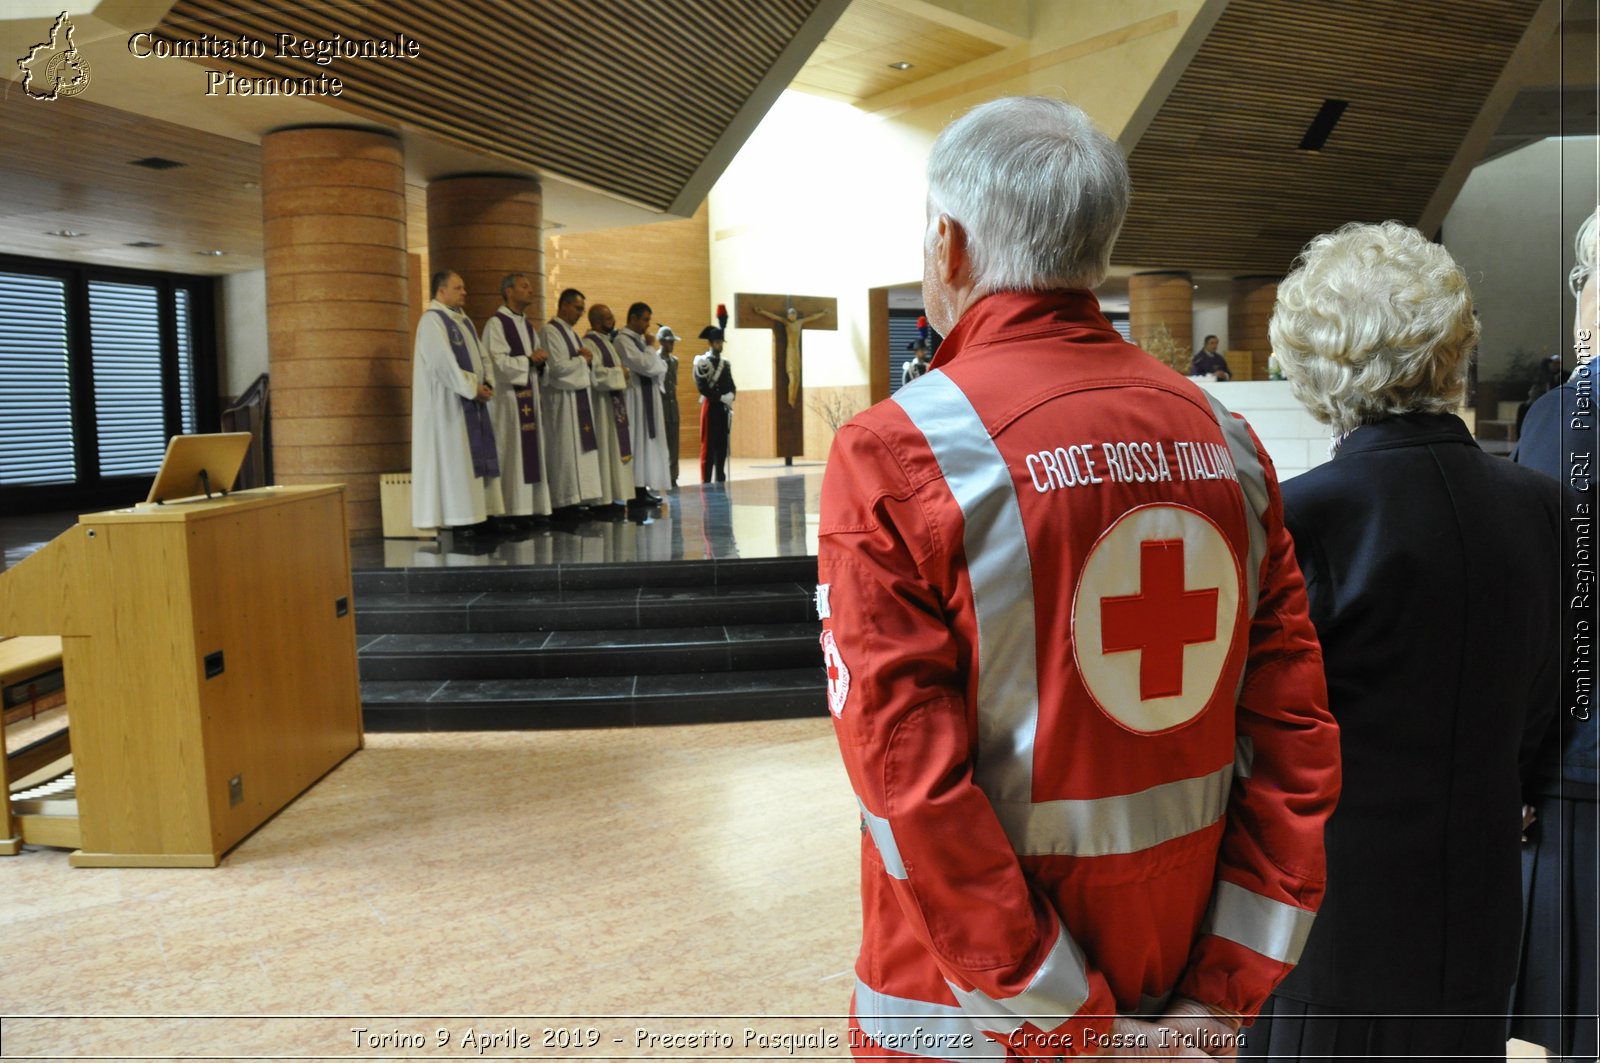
(484,226)
(333,203)
(1163,300)
(1249,312)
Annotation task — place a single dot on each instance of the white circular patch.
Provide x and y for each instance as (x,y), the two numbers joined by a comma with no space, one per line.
(1153,617)
(838,674)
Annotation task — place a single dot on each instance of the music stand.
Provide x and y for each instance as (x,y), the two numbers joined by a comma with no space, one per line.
(199,465)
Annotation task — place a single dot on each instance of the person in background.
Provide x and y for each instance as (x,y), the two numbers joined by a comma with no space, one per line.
(1209,361)
(612,427)
(455,471)
(918,363)
(1432,571)
(670,410)
(573,459)
(645,370)
(713,378)
(1558,991)
(510,344)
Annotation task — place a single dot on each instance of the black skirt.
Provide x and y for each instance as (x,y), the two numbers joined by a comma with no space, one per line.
(1291,1030)
(1557,993)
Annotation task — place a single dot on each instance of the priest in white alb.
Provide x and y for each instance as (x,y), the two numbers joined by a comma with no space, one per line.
(572,457)
(612,426)
(651,458)
(455,472)
(518,361)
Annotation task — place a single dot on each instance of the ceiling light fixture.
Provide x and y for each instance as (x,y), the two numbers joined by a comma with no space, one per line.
(902,65)
(211,253)
(66,234)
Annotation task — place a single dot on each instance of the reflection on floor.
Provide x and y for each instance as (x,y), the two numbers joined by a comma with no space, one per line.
(765,510)
(771,517)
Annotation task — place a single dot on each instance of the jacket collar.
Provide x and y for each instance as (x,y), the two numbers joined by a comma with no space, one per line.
(1005,316)
(1406,430)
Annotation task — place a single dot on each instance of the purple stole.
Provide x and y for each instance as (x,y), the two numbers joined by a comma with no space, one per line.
(586,438)
(619,401)
(480,436)
(527,415)
(649,407)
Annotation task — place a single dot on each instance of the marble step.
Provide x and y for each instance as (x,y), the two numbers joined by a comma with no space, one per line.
(464,612)
(573,576)
(594,701)
(606,652)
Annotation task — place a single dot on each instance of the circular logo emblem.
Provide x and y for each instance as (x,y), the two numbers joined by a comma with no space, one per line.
(838,674)
(67,73)
(1154,615)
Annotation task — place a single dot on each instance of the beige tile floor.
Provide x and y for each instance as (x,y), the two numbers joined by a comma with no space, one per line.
(667,880)
(583,890)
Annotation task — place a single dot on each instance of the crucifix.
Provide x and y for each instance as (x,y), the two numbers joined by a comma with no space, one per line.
(788,316)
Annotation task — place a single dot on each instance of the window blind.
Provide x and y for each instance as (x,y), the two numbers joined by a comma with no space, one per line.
(35,391)
(125,346)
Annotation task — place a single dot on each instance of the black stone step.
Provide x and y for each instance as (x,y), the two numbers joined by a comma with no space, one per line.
(606,652)
(574,576)
(594,701)
(462,612)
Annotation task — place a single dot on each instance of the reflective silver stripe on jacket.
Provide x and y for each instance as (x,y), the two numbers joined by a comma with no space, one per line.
(883,838)
(1001,575)
(1058,989)
(1127,823)
(1260,924)
(1253,482)
(918,1028)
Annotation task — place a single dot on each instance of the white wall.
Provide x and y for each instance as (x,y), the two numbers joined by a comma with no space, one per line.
(1511,229)
(243,356)
(822,200)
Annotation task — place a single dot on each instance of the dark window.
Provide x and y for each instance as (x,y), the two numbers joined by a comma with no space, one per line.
(35,392)
(98,368)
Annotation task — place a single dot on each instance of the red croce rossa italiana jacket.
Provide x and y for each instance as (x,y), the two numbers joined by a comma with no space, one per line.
(1076,689)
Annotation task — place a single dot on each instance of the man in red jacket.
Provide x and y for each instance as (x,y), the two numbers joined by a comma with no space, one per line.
(1069,662)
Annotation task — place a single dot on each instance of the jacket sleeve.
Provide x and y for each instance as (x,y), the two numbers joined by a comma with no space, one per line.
(1271,871)
(898,697)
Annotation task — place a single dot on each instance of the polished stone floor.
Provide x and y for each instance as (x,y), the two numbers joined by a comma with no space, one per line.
(766,510)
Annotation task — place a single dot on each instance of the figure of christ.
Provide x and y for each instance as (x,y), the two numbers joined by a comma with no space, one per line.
(792,323)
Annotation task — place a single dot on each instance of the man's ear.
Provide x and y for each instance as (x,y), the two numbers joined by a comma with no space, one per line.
(950,249)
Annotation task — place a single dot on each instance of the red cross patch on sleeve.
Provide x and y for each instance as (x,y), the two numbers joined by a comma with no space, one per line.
(838,674)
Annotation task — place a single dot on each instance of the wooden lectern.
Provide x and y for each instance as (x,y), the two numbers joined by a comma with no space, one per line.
(210,657)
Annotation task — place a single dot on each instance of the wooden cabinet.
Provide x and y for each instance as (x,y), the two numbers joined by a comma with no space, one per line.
(210,658)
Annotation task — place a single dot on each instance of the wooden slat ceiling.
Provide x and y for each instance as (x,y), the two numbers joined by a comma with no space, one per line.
(68,165)
(1219,181)
(853,61)
(528,83)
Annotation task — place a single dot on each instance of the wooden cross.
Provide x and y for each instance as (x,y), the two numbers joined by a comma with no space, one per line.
(788,317)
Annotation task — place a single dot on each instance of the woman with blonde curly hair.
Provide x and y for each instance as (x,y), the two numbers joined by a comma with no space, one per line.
(1431,570)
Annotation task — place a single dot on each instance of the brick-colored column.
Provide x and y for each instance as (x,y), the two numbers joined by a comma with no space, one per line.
(1249,313)
(1160,300)
(484,226)
(333,202)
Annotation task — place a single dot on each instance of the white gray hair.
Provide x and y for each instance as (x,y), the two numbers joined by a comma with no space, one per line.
(1583,248)
(1374,321)
(1039,190)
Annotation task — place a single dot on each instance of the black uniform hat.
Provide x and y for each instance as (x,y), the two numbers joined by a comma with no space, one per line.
(711,333)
